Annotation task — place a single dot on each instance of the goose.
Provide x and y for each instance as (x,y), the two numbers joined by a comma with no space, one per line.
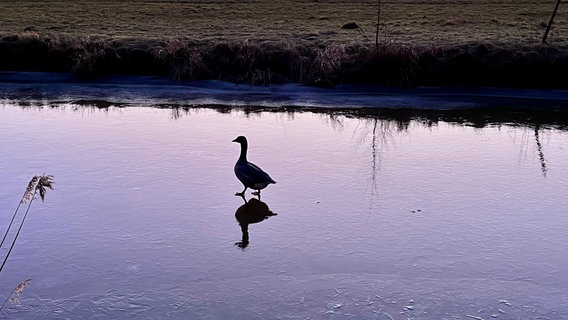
(250,175)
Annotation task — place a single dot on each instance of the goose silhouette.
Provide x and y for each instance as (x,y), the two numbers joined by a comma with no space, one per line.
(250,175)
(253,211)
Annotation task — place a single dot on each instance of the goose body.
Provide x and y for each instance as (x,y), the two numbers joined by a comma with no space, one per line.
(250,175)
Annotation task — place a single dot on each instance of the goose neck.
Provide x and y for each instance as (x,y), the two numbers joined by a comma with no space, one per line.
(243,156)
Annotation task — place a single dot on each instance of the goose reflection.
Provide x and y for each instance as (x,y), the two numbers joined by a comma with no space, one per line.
(253,211)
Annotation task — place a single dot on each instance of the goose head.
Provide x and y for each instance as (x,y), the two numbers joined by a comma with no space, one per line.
(240,139)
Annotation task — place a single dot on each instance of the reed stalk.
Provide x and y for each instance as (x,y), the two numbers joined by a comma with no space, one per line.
(37,186)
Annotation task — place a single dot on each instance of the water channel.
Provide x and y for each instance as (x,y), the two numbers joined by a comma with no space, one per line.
(377,215)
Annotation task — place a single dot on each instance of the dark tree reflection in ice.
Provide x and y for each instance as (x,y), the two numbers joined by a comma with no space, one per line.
(539,150)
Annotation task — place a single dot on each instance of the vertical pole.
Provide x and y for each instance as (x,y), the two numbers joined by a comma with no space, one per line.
(378,26)
(550,22)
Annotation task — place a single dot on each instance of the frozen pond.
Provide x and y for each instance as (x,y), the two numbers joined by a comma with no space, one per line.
(377,218)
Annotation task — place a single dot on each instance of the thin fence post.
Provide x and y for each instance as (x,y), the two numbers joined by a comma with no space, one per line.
(550,22)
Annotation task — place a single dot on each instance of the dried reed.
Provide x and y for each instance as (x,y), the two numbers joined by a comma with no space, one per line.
(37,186)
(14,296)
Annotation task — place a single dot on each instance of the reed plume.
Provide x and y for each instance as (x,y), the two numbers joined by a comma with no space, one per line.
(37,186)
(14,296)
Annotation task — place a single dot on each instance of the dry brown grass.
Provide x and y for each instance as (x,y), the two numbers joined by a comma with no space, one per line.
(474,63)
(313,22)
(423,42)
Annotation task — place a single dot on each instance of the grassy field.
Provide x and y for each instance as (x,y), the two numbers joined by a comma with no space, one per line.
(415,22)
(422,41)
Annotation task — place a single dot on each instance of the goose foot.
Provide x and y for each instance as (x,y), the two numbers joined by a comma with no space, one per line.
(242,244)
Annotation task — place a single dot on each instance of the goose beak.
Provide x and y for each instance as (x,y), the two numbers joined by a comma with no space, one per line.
(235,140)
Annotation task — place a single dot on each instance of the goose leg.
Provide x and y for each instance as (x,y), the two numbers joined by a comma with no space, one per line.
(256,193)
(241,194)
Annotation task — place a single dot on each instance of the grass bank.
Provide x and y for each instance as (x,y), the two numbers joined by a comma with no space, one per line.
(423,42)
(472,64)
